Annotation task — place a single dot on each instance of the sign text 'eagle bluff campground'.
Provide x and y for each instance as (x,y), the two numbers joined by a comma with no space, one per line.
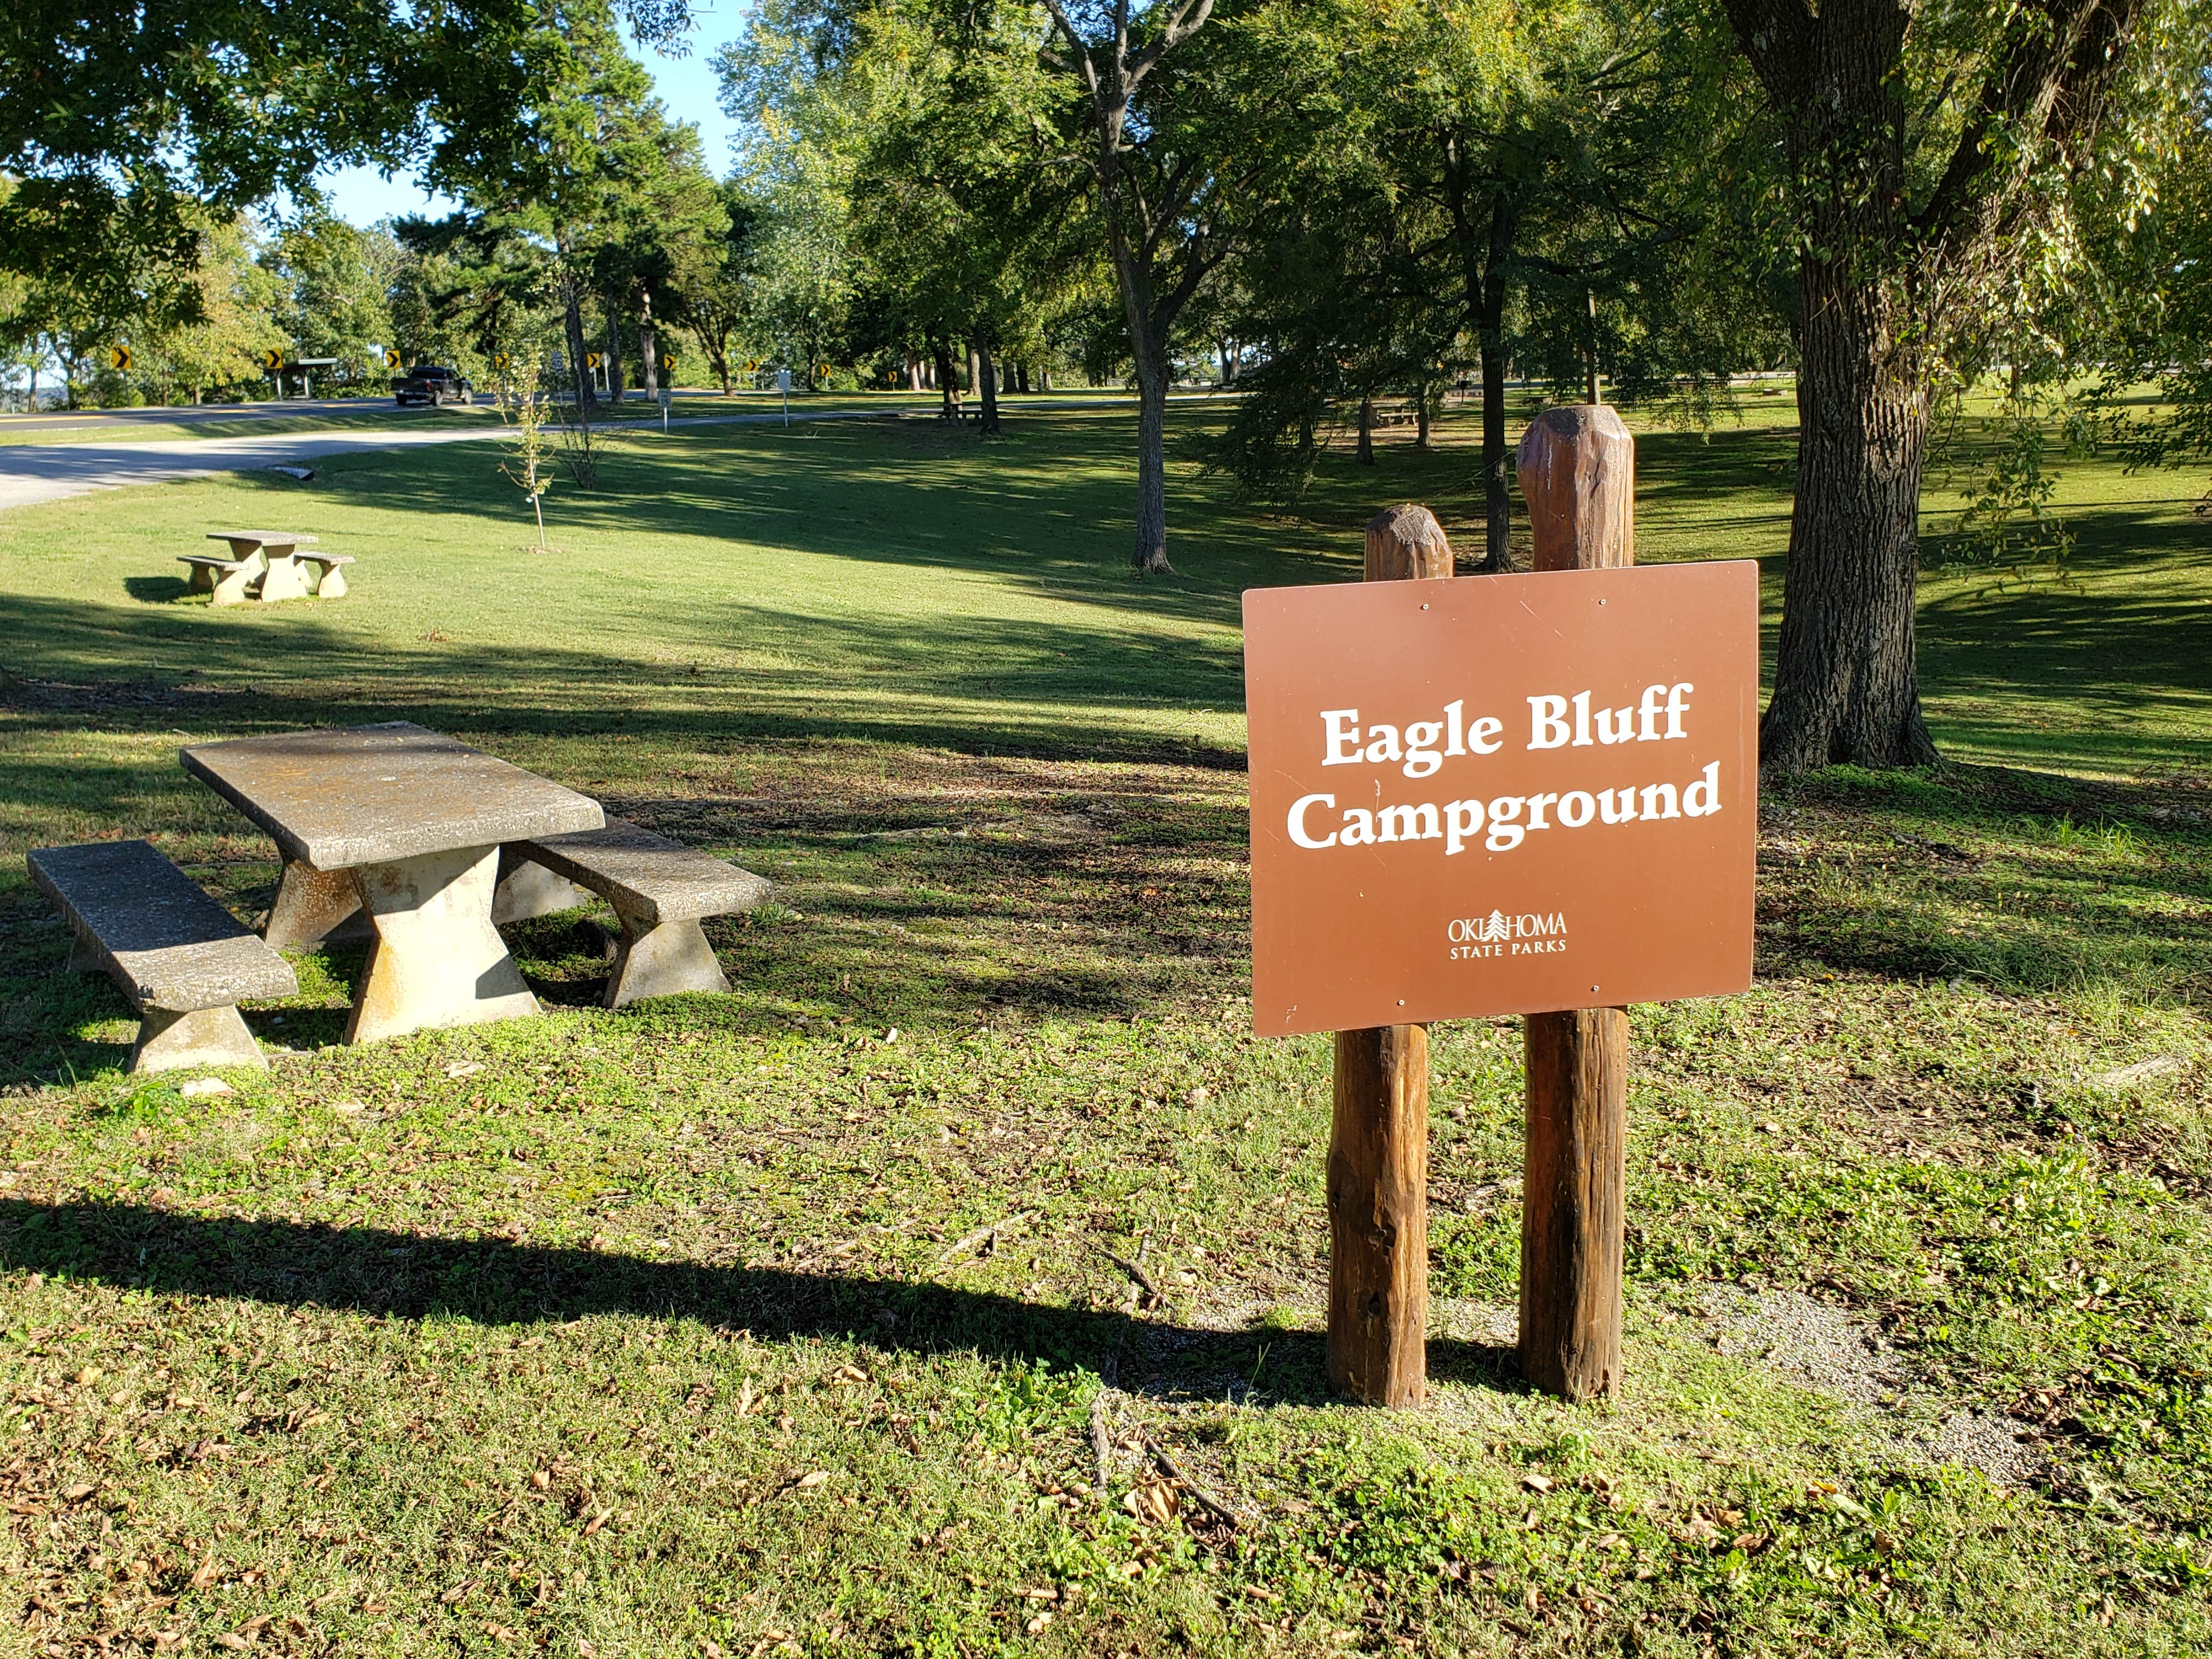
(1501,794)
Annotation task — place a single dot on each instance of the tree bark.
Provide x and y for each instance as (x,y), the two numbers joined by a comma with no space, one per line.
(1364,453)
(1846,687)
(1846,680)
(1150,554)
(948,383)
(986,382)
(572,321)
(614,356)
(648,348)
(1496,499)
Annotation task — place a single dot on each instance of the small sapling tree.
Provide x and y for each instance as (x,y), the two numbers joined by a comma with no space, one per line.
(526,465)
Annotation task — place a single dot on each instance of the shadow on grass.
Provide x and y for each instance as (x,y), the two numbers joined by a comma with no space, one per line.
(2028,881)
(156,590)
(492,1281)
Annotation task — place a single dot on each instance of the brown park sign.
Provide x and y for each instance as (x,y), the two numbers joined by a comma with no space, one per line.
(1501,794)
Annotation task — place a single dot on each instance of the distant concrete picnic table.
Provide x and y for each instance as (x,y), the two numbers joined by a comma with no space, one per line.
(407,824)
(268,565)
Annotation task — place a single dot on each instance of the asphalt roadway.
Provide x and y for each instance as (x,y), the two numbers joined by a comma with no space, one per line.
(31,472)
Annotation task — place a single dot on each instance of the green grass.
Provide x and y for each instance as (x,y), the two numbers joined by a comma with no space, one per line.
(535,1337)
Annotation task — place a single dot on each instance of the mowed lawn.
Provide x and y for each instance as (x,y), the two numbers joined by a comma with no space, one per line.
(907,1299)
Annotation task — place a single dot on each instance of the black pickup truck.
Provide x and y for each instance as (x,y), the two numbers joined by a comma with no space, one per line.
(426,383)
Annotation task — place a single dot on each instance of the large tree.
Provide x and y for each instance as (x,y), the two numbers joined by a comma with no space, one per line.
(1191,121)
(1536,190)
(1933,157)
(129,126)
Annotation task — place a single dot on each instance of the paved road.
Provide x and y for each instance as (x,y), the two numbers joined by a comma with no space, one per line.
(78,420)
(48,472)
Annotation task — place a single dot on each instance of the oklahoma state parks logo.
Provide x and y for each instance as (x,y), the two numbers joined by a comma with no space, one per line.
(1474,938)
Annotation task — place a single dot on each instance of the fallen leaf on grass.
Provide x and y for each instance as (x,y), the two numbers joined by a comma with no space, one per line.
(1536,1482)
(205,1085)
(598,1520)
(1152,1501)
(464,1068)
(1036,1626)
(814,1479)
(456,1593)
(541,1479)
(77,1493)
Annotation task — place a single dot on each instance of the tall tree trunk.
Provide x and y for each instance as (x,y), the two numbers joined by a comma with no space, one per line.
(1421,414)
(948,382)
(1150,554)
(614,356)
(987,381)
(1496,499)
(1364,453)
(913,373)
(572,321)
(974,372)
(1044,377)
(1846,683)
(648,349)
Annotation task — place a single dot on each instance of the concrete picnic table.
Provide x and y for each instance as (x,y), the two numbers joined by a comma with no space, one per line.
(266,565)
(404,823)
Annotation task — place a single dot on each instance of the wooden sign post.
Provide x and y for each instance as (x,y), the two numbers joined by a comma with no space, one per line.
(1577,469)
(1530,794)
(1378,1143)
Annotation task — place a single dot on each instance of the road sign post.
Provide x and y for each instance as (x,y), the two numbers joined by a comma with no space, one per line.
(783,385)
(666,398)
(1528,794)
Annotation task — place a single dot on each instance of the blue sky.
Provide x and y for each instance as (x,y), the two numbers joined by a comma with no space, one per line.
(362,196)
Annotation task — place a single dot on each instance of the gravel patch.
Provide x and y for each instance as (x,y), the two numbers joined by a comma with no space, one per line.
(1828,1348)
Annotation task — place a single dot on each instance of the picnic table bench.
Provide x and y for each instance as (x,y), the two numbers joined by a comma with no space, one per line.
(659,890)
(266,565)
(183,960)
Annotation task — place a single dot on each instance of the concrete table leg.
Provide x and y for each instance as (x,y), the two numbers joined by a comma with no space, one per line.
(527,889)
(202,1037)
(312,905)
(230,588)
(437,961)
(659,961)
(285,580)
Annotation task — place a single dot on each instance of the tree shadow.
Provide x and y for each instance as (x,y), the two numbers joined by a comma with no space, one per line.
(156,590)
(491,1281)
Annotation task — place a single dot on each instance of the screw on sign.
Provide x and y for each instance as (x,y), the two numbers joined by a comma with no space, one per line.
(1520,794)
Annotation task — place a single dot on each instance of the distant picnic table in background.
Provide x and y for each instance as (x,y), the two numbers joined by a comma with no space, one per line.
(267,565)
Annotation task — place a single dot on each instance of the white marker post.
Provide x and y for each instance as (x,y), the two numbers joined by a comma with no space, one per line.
(666,398)
(783,385)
